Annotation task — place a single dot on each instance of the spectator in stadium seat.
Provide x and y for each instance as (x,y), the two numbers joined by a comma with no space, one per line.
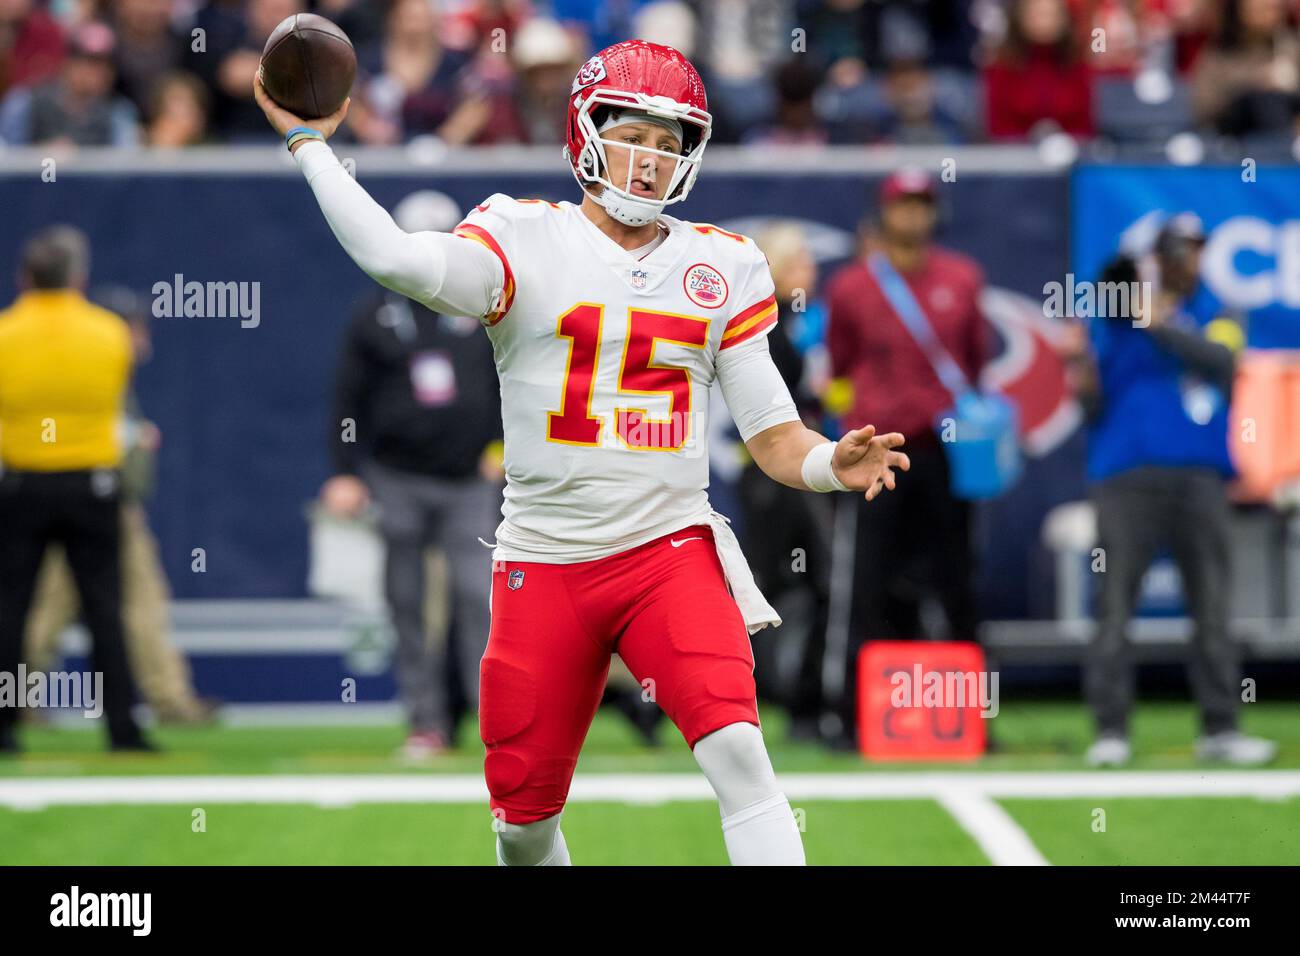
(528,104)
(1158,461)
(1144,33)
(853,37)
(79,107)
(31,45)
(602,23)
(425,447)
(1131,29)
(361,20)
(913,110)
(148,48)
(411,85)
(797,122)
(1248,81)
(1038,81)
(482,24)
(1194,25)
(64,369)
(233,49)
(160,670)
(917,543)
(839,37)
(673,23)
(737,46)
(545,59)
(178,112)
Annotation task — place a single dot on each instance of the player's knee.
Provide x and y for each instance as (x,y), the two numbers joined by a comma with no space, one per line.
(526,788)
(734,759)
(507,707)
(527,772)
(505,772)
(739,749)
(529,844)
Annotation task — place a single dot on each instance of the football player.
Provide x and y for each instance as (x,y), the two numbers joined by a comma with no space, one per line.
(609,321)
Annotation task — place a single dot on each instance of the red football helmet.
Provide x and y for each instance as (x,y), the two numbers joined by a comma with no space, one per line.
(644,78)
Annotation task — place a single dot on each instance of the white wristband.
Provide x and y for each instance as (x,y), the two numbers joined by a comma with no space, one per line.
(817,472)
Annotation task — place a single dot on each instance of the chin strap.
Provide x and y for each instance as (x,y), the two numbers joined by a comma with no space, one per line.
(628,211)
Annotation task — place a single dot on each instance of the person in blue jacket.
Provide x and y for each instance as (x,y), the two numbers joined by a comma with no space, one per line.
(1158,464)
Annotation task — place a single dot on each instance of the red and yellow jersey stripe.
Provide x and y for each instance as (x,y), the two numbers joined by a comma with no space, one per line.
(755,320)
(468,230)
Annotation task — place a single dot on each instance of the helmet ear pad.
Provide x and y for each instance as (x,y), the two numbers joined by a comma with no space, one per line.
(592,157)
(590,160)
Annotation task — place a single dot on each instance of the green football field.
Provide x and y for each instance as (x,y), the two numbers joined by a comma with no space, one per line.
(326,795)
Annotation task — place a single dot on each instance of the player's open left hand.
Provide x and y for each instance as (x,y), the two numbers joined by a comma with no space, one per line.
(283,121)
(866,461)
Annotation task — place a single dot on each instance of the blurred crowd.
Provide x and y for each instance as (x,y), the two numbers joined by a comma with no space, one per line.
(176,73)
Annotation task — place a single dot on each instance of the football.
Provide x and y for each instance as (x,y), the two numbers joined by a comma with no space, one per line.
(308,65)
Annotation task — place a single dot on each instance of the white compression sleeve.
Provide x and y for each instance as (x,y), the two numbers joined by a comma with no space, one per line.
(758,825)
(444,272)
(753,389)
(532,844)
(764,834)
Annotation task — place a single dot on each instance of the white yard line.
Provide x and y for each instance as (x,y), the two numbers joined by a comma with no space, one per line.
(999,836)
(341,790)
(969,797)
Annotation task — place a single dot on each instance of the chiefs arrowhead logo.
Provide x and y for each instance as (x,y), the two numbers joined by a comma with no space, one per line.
(593,71)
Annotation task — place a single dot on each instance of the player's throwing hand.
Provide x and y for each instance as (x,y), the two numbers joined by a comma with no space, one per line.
(283,121)
(866,461)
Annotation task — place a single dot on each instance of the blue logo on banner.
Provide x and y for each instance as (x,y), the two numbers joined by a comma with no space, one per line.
(1251,261)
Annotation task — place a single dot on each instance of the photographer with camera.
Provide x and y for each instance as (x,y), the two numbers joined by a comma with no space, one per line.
(1157,387)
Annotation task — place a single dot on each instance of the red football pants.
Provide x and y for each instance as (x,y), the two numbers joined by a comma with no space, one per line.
(663,607)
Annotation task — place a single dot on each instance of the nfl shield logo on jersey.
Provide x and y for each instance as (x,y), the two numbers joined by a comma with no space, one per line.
(639,278)
(516,580)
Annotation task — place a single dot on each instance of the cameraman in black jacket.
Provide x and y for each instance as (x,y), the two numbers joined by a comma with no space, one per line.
(416,429)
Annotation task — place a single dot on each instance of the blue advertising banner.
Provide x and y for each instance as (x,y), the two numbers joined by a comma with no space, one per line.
(1251,213)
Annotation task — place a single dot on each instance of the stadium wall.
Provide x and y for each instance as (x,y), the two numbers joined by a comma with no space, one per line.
(243,406)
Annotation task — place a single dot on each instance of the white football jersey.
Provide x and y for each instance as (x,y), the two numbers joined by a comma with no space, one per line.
(605,364)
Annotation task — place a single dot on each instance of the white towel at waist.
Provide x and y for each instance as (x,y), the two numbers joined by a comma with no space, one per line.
(754,608)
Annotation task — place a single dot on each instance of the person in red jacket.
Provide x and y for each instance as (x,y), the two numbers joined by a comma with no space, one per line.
(31,45)
(1037,81)
(918,541)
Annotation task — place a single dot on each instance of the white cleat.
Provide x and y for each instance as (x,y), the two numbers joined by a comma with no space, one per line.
(1234,747)
(1109,751)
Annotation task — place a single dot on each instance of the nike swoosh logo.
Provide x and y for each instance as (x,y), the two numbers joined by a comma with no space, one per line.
(483,207)
(677,544)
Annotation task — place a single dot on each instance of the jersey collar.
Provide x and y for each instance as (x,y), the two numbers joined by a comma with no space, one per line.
(642,276)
